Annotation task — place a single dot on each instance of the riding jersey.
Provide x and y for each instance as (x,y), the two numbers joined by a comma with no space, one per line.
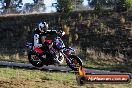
(39,37)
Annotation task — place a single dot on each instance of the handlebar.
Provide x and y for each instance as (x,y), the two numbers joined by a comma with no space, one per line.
(59,32)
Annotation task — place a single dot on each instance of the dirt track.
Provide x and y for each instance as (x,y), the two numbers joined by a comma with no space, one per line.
(56,68)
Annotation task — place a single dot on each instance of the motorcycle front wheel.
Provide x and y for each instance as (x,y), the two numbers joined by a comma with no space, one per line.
(74,62)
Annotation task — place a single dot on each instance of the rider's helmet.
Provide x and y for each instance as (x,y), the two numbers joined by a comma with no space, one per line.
(43,26)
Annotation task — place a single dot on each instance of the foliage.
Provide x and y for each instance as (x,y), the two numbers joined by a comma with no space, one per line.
(10,5)
(129,2)
(122,5)
(106,3)
(64,6)
(76,36)
(98,9)
(77,4)
(15,6)
(35,1)
(39,5)
(70,39)
(119,5)
(66,29)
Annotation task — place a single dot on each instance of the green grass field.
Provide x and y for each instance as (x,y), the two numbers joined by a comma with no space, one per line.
(23,78)
(110,65)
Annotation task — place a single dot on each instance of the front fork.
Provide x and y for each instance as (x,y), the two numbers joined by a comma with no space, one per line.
(67,58)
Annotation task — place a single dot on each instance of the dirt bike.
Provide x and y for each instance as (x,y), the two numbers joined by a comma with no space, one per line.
(39,57)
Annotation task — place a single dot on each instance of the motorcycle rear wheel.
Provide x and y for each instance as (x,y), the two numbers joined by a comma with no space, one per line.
(34,59)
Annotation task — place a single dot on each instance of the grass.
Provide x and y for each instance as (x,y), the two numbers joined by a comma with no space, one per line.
(23,78)
(90,64)
(103,65)
(100,64)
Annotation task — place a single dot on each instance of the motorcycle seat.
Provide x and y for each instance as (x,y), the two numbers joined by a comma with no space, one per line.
(47,41)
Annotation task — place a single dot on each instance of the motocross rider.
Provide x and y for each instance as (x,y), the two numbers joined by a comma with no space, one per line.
(40,33)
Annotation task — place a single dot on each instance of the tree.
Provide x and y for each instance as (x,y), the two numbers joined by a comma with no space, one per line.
(35,1)
(104,3)
(119,5)
(77,4)
(98,5)
(129,2)
(39,6)
(122,5)
(98,9)
(68,5)
(9,6)
(64,6)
